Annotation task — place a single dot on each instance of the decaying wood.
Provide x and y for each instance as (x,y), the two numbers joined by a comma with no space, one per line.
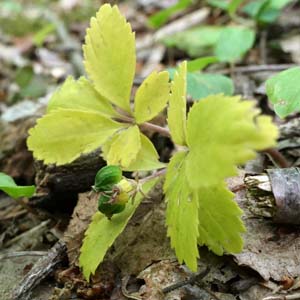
(15,159)
(44,266)
(286,189)
(58,186)
(76,177)
(55,184)
(275,195)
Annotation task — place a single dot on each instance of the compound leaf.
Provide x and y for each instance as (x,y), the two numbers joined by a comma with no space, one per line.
(8,185)
(221,133)
(151,97)
(283,90)
(182,212)
(177,106)
(109,53)
(102,232)
(124,147)
(63,135)
(79,95)
(220,224)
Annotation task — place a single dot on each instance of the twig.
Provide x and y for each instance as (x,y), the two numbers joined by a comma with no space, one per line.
(283,297)
(154,175)
(180,25)
(241,69)
(69,43)
(22,253)
(125,292)
(257,68)
(191,280)
(210,293)
(263,47)
(154,59)
(40,271)
(28,233)
(277,157)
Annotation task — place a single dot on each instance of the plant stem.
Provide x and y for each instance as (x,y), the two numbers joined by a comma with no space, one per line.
(146,125)
(276,156)
(154,175)
(159,129)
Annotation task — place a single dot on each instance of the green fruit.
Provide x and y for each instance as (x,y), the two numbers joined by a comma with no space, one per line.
(106,178)
(109,209)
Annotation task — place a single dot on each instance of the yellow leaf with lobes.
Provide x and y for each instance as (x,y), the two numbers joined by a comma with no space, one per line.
(61,136)
(177,106)
(109,54)
(182,212)
(124,147)
(79,95)
(223,132)
(151,97)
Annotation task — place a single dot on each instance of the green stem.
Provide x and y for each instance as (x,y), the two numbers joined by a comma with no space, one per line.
(154,175)
(163,131)
(276,156)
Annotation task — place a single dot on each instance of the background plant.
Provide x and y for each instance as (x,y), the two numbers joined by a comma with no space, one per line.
(218,133)
(8,185)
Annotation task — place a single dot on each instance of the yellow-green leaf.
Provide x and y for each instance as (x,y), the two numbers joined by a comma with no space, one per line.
(221,133)
(220,224)
(63,135)
(182,212)
(80,95)
(102,233)
(109,54)
(147,158)
(151,97)
(124,147)
(177,106)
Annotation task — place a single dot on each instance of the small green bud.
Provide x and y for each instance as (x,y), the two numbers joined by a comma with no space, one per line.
(106,178)
(109,209)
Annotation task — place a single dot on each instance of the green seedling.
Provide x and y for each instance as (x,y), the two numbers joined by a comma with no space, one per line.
(219,133)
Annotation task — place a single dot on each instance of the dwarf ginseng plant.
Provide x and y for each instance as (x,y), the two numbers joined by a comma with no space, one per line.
(217,134)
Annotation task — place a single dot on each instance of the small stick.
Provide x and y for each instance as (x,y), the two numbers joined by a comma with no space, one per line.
(263,47)
(257,68)
(186,22)
(283,297)
(241,69)
(27,233)
(22,253)
(278,158)
(43,267)
(191,280)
